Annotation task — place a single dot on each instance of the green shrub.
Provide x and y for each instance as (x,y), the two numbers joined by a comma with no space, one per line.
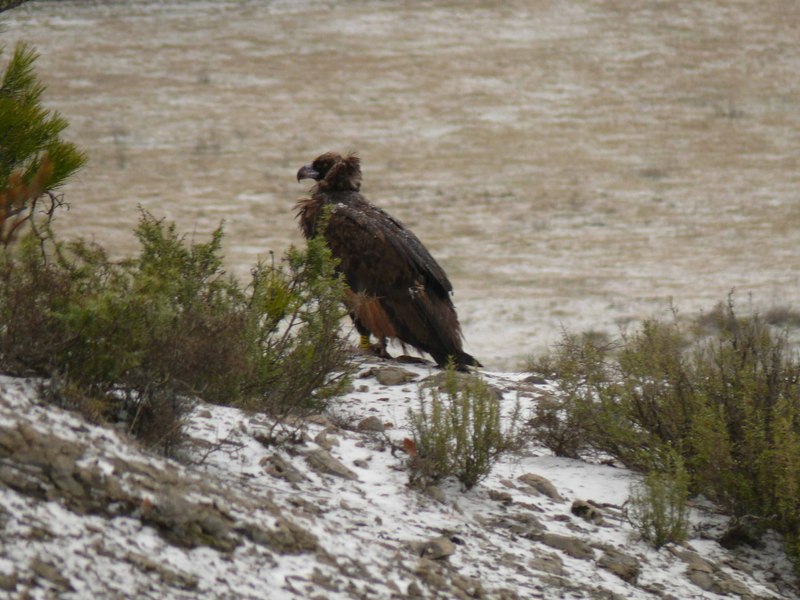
(657,506)
(132,340)
(724,393)
(579,367)
(458,431)
(139,336)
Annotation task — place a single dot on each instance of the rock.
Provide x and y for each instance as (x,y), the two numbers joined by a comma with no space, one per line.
(541,485)
(522,524)
(51,573)
(285,537)
(435,549)
(371,423)
(320,420)
(470,587)
(168,576)
(413,590)
(393,375)
(587,511)
(535,380)
(701,579)
(430,572)
(502,497)
(727,584)
(322,462)
(279,467)
(548,562)
(568,545)
(325,441)
(8,581)
(695,562)
(700,571)
(623,565)
(435,492)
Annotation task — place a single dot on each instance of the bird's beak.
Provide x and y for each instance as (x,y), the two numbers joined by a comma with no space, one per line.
(307,172)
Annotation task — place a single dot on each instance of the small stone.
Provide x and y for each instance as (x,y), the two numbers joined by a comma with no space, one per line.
(325,441)
(435,549)
(361,463)
(372,423)
(701,579)
(393,375)
(322,462)
(280,468)
(729,585)
(8,582)
(568,545)
(435,492)
(471,588)
(624,566)
(695,562)
(548,562)
(541,485)
(700,571)
(501,497)
(413,590)
(320,420)
(50,573)
(587,511)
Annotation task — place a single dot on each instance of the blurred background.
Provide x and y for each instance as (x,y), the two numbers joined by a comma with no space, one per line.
(573,165)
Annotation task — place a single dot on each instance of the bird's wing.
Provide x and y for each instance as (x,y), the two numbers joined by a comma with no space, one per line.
(378,254)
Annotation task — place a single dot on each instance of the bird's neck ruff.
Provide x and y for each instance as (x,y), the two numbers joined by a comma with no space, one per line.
(308,211)
(343,176)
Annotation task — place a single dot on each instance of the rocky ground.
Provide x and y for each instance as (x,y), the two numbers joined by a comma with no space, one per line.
(86,513)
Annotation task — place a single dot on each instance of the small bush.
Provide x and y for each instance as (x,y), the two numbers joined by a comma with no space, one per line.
(129,341)
(722,393)
(657,506)
(459,431)
(139,336)
(562,422)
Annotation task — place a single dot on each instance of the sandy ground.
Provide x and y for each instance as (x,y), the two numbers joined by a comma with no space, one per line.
(571,164)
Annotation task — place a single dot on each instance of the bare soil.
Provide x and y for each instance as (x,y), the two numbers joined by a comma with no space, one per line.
(571,164)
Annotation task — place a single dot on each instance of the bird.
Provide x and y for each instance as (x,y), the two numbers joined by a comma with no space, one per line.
(397,290)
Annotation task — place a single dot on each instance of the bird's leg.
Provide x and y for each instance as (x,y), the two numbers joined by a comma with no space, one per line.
(364,343)
(380,349)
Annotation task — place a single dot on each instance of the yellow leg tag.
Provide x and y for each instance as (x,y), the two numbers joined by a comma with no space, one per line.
(364,343)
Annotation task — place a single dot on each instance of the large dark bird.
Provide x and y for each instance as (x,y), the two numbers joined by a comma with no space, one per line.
(397,289)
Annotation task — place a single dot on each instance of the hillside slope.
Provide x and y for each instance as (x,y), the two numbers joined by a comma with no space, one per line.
(84,512)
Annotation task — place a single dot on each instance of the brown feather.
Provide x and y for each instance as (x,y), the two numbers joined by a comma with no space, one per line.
(398,289)
(369,311)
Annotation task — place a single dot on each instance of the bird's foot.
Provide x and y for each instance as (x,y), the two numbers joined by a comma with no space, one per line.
(378,350)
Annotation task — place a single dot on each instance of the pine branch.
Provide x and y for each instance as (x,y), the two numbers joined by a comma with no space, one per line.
(9,4)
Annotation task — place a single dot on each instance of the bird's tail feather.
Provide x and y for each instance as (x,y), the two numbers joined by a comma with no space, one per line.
(463,360)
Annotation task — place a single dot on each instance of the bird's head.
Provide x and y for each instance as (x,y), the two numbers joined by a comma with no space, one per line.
(334,172)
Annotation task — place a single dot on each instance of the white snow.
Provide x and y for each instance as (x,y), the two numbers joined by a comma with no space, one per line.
(364,526)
